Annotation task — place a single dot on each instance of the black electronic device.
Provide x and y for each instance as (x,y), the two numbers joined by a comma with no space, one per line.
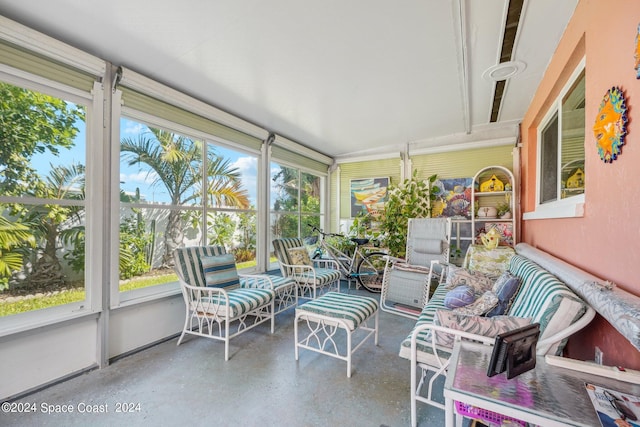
(514,351)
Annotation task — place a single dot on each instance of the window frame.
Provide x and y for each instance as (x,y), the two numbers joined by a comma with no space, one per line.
(123,299)
(572,206)
(92,204)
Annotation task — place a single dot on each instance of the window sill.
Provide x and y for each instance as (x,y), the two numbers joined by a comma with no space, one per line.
(143,295)
(38,319)
(568,208)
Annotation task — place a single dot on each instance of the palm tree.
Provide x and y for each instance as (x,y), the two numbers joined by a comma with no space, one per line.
(63,182)
(175,162)
(12,236)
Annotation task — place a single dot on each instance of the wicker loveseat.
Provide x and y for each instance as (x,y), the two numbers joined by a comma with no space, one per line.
(541,298)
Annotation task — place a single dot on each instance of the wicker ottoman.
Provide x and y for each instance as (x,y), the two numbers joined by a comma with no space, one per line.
(328,314)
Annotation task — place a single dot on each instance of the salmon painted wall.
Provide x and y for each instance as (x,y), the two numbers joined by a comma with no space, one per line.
(606,240)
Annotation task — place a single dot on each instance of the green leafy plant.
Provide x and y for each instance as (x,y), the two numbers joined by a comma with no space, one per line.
(503,208)
(409,199)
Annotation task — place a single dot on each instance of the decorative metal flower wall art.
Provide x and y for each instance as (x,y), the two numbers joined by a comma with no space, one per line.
(610,127)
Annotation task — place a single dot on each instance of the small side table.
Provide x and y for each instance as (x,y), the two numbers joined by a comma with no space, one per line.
(545,396)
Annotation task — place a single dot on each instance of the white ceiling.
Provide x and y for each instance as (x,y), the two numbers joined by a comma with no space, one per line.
(343,77)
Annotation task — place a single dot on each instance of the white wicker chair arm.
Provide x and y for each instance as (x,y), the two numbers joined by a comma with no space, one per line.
(542,347)
(459,335)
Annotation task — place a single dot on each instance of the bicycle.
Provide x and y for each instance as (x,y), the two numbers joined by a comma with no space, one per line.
(369,267)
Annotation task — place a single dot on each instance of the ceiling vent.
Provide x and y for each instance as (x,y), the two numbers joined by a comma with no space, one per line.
(506,68)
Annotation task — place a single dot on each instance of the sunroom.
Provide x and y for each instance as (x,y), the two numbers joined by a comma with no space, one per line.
(129,132)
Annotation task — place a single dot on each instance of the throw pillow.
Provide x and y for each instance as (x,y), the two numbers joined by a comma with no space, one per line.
(505,288)
(480,282)
(481,306)
(299,256)
(459,297)
(485,326)
(220,271)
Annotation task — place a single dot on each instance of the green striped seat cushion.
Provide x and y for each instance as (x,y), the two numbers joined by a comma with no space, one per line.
(354,309)
(543,298)
(188,264)
(220,271)
(241,301)
(323,276)
(436,302)
(279,282)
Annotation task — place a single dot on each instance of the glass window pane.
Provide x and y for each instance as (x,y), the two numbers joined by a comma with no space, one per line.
(284,188)
(310,193)
(159,166)
(231,177)
(573,136)
(147,240)
(549,161)
(43,157)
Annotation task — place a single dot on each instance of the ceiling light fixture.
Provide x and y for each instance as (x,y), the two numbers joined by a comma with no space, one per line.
(504,71)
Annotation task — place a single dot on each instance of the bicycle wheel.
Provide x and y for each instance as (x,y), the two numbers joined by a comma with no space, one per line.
(371,270)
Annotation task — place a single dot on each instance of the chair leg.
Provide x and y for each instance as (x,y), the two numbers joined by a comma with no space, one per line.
(184,329)
(226,340)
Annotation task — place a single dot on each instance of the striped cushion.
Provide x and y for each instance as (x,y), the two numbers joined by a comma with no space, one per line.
(220,271)
(279,282)
(324,276)
(436,302)
(540,295)
(188,265)
(354,309)
(241,301)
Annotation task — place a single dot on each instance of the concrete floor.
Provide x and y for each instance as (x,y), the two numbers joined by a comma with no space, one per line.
(261,385)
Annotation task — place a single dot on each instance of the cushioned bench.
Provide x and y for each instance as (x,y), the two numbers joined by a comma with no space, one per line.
(541,298)
(326,315)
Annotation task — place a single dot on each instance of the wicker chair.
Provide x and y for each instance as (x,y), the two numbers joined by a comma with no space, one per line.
(406,282)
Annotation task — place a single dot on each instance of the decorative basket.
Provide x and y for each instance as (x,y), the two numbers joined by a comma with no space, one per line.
(492,418)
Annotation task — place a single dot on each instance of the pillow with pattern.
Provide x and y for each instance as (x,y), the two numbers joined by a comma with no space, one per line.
(299,256)
(481,306)
(480,282)
(459,297)
(505,288)
(485,326)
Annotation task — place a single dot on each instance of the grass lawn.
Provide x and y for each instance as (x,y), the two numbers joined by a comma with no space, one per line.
(67,296)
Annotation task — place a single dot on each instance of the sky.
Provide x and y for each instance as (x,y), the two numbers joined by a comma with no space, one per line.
(132,177)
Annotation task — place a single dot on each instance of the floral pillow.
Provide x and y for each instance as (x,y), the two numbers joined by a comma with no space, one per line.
(299,256)
(485,326)
(481,306)
(480,282)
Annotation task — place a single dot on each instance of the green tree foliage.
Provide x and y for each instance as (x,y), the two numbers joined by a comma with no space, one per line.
(409,199)
(296,192)
(30,123)
(12,236)
(175,163)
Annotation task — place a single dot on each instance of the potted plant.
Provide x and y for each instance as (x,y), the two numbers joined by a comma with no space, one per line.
(504,210)
(409,199)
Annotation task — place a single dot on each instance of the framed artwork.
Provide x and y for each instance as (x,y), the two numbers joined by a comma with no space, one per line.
(453,198)
(368,195)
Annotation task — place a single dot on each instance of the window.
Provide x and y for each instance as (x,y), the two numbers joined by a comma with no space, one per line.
(169,183)
(295,202)
(561,170)
(42,192)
